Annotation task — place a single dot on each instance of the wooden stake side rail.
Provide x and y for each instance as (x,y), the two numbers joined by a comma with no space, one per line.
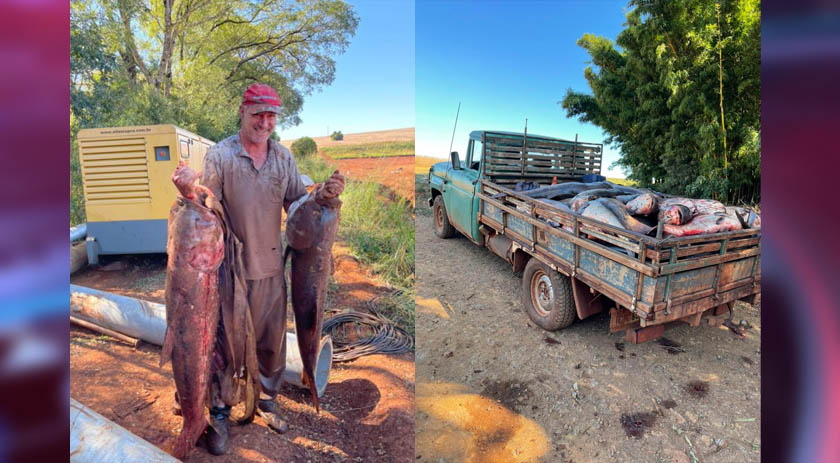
(537,158)
(559,232)
(660,259)
(494,144)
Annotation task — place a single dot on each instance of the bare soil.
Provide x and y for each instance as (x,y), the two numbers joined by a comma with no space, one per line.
(367,411)
(493,387)
(394,172)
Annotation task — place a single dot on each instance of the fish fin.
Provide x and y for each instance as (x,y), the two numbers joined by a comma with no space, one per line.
(250,401)
(286,253)
(166,352)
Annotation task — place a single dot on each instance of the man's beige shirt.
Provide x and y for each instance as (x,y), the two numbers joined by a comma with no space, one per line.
(254,200)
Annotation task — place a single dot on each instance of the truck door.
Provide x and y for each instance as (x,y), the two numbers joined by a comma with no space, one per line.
(461,200)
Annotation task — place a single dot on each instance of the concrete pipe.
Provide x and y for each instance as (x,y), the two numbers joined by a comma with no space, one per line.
(294,366)
(94,438)
(78,232)
(147,321)
(139,319)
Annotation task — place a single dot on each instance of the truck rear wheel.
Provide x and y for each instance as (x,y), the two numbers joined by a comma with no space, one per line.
(547,296)
(443,229)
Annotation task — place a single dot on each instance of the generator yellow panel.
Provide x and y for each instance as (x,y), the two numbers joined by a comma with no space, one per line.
(126,170)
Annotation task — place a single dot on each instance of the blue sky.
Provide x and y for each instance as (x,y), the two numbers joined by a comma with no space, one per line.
(374,78)
(505,61)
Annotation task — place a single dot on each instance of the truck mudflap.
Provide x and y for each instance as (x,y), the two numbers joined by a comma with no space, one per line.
(624,320)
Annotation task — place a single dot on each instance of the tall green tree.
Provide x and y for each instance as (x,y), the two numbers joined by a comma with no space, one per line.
(679,94)
(187,62)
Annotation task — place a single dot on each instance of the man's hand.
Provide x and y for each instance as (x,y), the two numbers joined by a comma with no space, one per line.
(333,187)
(184,179)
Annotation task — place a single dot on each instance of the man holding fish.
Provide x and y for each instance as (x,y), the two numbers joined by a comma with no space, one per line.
(254,179)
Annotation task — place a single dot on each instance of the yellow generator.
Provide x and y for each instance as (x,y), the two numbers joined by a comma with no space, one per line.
(128,191)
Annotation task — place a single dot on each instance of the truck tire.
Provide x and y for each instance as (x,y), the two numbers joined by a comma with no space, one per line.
(443,229)
(547,296)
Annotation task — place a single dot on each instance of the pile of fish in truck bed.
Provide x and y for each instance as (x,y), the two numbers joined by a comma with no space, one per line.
(640,210)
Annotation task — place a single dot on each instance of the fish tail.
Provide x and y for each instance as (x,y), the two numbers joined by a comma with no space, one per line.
(181,447)
(311,383)
(250,401)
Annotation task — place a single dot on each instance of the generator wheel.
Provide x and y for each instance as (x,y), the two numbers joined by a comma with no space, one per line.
(547,296)
(443,229)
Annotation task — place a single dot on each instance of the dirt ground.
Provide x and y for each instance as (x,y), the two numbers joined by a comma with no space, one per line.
(493,387)
(394,172)
(367,410)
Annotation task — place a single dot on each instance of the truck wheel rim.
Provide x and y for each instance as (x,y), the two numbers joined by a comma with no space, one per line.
(439,217)
(542,293)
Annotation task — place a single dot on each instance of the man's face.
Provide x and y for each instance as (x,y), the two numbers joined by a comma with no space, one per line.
(257,128)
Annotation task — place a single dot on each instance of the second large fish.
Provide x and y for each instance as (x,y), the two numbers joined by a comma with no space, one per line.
(311,229)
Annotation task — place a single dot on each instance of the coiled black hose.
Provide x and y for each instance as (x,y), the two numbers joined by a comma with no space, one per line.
(385,337)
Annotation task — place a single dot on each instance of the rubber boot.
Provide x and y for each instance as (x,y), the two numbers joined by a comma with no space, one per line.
(218,431)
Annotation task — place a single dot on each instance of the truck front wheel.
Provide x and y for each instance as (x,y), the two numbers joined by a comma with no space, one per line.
(443,229)
(547,296)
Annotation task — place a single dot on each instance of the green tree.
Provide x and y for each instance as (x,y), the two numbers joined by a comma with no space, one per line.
(187,62)
(303,147)
(679,95)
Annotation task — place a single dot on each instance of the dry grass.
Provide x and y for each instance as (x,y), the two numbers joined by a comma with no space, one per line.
(423,163)
(406,134)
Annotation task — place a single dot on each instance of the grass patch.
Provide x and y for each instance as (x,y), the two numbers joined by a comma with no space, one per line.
(380,230)
(398,307)
(621,181)
(422,195)
(316,168)
(370,150)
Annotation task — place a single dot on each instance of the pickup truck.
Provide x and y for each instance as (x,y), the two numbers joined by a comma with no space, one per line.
(574,267)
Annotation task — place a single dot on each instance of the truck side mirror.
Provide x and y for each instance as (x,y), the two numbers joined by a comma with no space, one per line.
(456,161)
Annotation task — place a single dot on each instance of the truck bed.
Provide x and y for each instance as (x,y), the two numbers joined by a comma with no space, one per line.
(657,281)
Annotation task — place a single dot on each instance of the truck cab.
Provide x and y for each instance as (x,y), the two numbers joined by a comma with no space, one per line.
(503,158)
(456,183)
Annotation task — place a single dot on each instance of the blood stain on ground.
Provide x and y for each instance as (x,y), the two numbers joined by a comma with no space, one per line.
(669,404)
(698,388)
(512,394)
(635,424)
(672,347)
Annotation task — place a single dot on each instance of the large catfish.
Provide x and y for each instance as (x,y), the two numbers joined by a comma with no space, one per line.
(311,228)
(195,246)
(705,223)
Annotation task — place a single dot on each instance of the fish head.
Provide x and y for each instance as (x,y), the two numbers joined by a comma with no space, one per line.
(303,223)
(203,239)
(676,214)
